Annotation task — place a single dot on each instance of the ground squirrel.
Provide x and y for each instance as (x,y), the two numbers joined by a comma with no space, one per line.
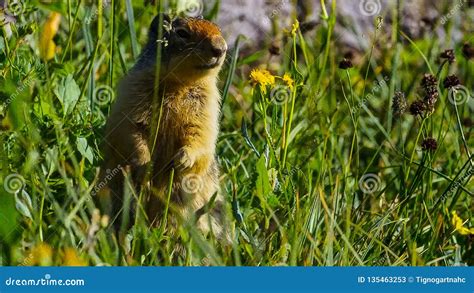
(192,53)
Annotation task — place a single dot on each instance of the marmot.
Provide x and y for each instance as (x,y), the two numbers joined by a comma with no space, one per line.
(169,122)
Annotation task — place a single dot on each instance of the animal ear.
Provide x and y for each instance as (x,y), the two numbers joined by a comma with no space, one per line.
(165,20)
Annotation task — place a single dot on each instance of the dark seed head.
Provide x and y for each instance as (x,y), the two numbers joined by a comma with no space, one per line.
(468,51)
(429,144)
(429,80)
(399,104)
(349,55)
(430,100)
(433,90)
(417,108)
(431,96)
(308,26)
(448,55)
(429,22)
(274,49)
(451,82)
(430,84)
(345,64)
(468,122)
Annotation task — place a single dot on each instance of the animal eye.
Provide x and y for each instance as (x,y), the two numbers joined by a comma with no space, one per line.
(182,33)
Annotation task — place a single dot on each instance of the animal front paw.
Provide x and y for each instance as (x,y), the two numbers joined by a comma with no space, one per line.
(186,158)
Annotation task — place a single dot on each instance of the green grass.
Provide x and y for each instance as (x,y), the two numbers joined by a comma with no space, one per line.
(292,172)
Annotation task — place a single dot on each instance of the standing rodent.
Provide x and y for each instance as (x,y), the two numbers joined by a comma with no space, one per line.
(187,109)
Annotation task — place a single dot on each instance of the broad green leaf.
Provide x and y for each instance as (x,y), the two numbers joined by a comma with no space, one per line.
(68,93)
(263,182)
(8,216)
(84,149)
(23,203)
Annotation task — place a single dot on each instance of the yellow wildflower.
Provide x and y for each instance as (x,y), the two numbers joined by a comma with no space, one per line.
(71,259)
(41,255)
(296,26)
(288,80)
(263,78)
(458,225)
(46,44)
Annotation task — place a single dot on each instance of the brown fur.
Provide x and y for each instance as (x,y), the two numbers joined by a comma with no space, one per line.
(185,138)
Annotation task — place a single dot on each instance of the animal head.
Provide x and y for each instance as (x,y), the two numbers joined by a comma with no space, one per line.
(192,48)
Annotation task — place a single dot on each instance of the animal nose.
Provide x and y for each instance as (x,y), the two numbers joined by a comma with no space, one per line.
(217,52)
(218,47)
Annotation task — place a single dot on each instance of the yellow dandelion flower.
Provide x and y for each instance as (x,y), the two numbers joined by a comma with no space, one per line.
(71,259)
(263,78)
(288,80)
(46,44)
(42,255)
(458,225)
